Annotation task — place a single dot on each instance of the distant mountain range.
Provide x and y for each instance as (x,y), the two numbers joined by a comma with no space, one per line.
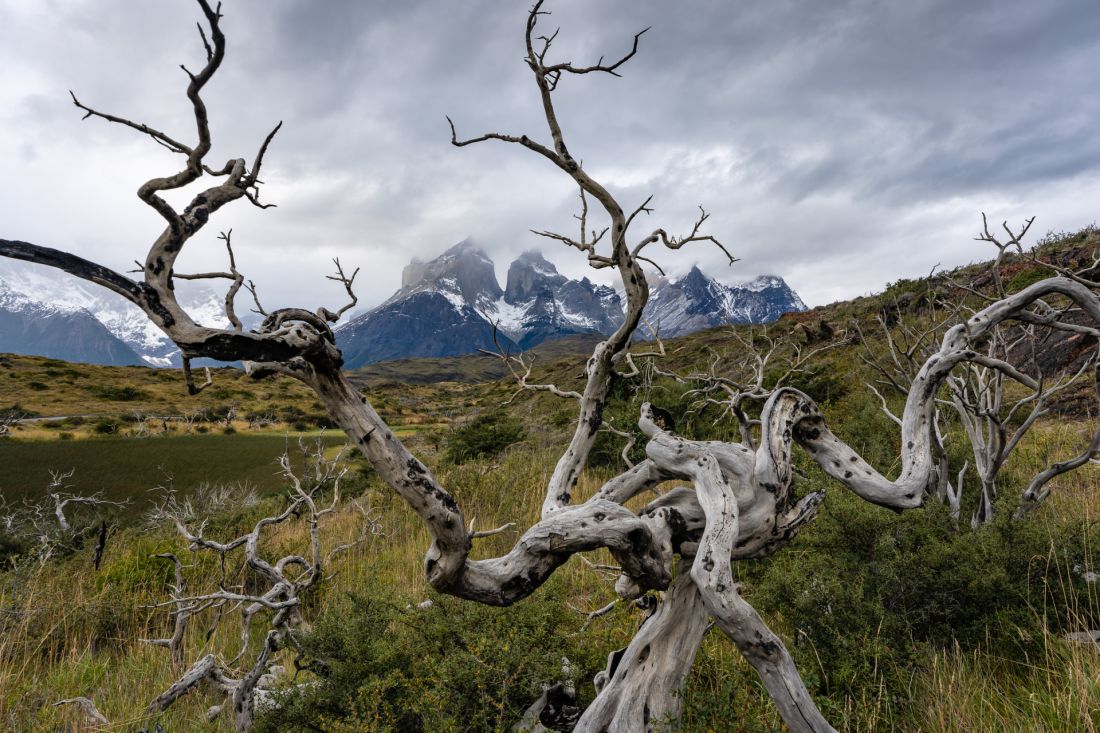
(695,302)
(46,312)
(449,306)
(28,326)
(445,307)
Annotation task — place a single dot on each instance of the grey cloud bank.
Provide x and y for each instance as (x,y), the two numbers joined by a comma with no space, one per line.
(840,145)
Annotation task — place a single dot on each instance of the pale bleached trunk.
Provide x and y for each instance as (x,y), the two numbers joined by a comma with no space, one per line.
(642,689)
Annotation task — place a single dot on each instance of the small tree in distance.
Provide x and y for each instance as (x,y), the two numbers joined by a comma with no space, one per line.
(739,500)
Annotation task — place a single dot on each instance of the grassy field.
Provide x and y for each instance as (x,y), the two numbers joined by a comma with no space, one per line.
(911,623)
(471,368)
(48,387)
(68,631)
(130,468)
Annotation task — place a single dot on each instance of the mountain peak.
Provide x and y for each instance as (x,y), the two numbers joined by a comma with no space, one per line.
(534,256)
(695,302)
(694,279)
(453,305)
(466,247)
(463,269)
(528,275)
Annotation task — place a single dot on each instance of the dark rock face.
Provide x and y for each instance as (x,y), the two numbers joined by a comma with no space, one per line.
(36,329)
(451,305)
(422,324)
(552,306)
(464,269)
(530,274)
(439,311)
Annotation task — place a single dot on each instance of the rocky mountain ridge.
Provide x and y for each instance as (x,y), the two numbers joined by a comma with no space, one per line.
(447,306)
(454,305)
(28,326)
(696,302)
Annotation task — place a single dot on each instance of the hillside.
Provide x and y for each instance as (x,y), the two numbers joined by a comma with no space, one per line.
(907,622)
(43,387)
(843,327)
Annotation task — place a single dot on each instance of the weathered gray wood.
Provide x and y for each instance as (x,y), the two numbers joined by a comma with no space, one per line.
(643,690)
(722,495)
(741,503)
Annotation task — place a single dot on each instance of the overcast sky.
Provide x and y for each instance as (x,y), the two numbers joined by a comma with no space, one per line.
(840,145)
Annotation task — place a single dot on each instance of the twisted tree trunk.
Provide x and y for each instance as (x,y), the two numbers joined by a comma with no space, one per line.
(741,502)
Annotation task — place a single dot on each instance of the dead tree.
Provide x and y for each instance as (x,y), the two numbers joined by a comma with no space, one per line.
(7,422)
(63,522)
(275,589)
(737,502)
(260,420)
(759,365)
(1000,393)
(908,345)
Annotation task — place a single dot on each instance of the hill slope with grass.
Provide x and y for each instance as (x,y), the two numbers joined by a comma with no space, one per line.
(910,622)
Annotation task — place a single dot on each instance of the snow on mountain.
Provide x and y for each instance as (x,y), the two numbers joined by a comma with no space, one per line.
(60,293)
(539,304)
(437,311)
(695,302)
(28,326)
(451,305)
(454,305)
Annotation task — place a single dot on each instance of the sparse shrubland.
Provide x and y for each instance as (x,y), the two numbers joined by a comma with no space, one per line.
(898,622)
(883,613)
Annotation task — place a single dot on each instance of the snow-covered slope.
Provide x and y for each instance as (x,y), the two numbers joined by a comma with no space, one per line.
(540,304)
(58,292)
(437,312)
(695,302)
(447,306)
(28,326)
(452,304)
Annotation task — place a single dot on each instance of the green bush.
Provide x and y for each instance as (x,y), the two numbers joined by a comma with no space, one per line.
(822,382)
(107,426)
(217,413)
(290,413)
(124,393)
(1027,276)
(484,437)
(11,548)
(456,666)
(866,592)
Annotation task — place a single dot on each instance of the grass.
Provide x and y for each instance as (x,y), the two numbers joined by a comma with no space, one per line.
(129,468)
(470,368)
(50,387)
(68,631)
(1056,693)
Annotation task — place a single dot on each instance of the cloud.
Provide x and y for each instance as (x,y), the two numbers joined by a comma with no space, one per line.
(840,145)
